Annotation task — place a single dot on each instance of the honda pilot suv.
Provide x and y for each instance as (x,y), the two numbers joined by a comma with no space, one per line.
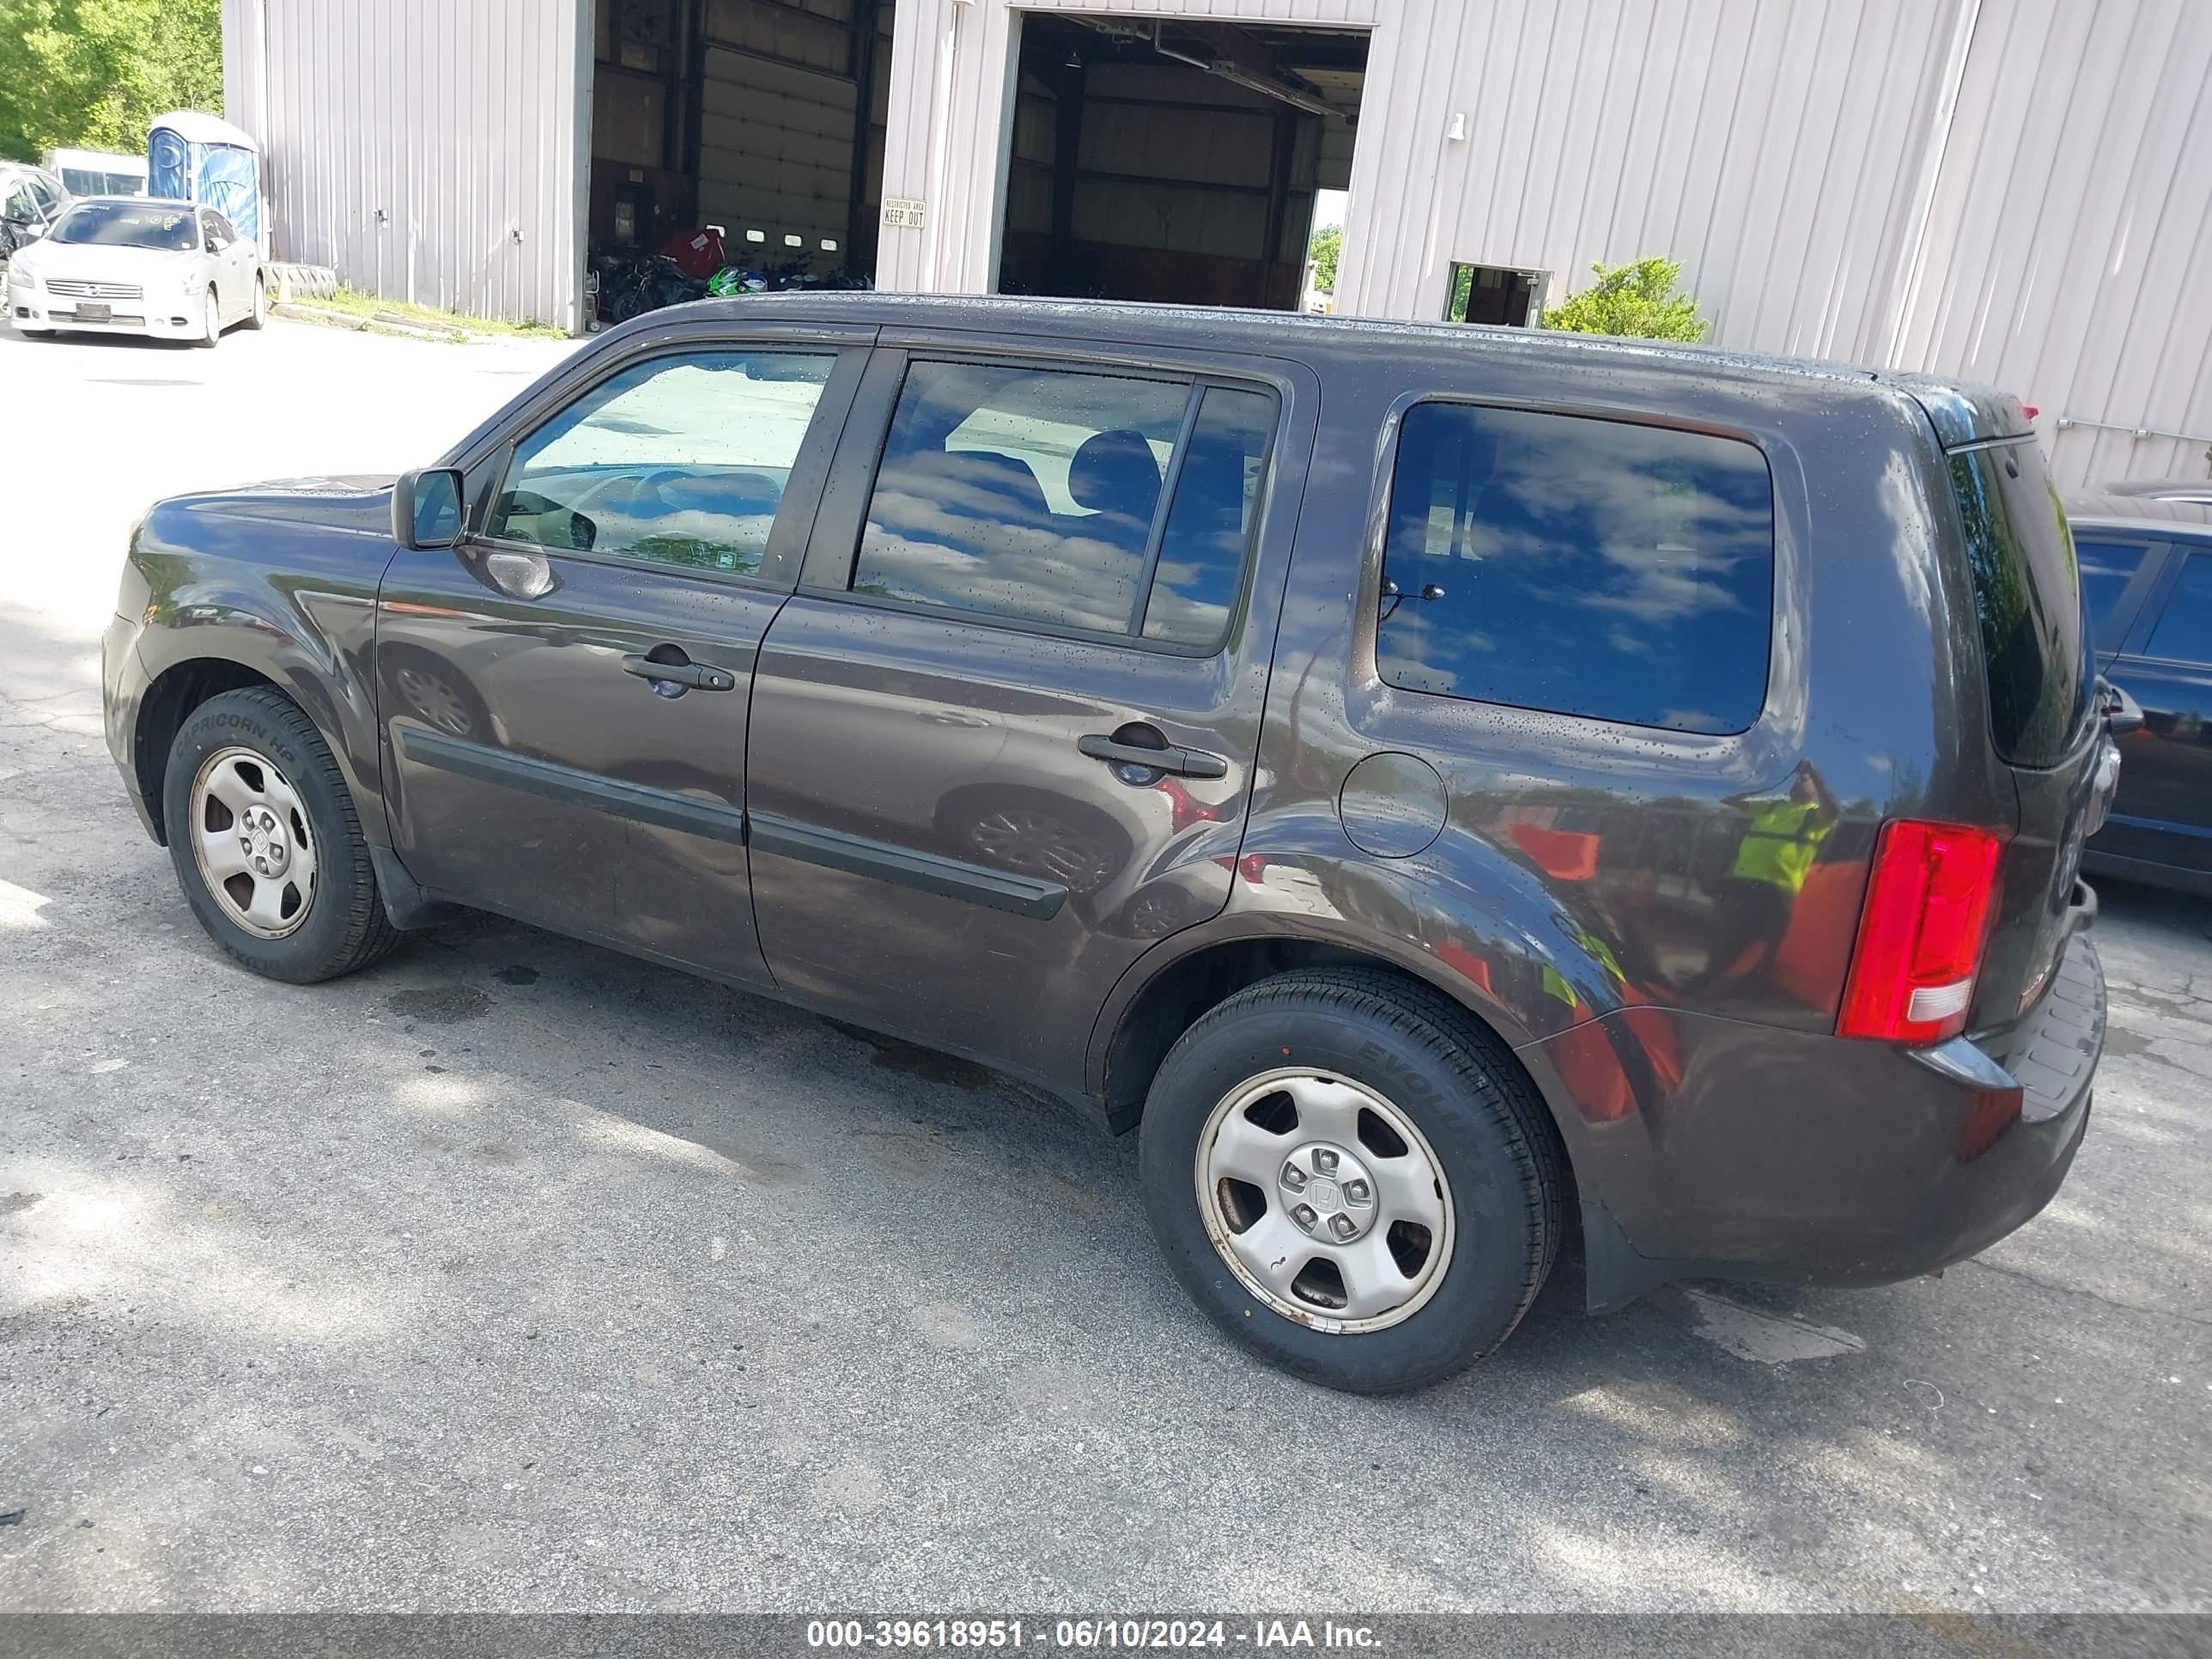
(1445,789)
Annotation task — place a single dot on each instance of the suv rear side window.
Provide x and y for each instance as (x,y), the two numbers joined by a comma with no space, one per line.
(1582,566)
(1041,495)
(2027,592)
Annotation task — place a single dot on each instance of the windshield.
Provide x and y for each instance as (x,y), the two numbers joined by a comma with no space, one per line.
(127,224)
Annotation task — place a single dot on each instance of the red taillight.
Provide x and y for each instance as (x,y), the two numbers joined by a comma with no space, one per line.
(1921,932)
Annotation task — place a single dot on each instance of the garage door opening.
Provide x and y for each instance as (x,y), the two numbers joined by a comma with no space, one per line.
(746,134)
(1174,160)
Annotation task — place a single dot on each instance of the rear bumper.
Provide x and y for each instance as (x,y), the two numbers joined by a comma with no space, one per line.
(1764,1154)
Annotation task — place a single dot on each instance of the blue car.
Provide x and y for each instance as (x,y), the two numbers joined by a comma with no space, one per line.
(2147,583)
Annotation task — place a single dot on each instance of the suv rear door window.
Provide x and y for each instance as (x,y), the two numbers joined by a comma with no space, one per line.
(1200,565)
(1037,496)
(2027,591)
(1582,565)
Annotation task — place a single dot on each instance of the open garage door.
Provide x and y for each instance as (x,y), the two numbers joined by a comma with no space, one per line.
(1174,160)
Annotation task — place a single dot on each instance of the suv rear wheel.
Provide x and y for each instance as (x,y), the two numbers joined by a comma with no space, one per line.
(266,842)
(1352,1177)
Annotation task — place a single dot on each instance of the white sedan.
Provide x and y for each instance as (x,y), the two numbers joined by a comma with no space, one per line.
(111,264)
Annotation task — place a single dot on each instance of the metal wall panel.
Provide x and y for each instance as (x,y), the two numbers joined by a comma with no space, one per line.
(2016,190)
(2069,252)
(1762,143)
(428,150)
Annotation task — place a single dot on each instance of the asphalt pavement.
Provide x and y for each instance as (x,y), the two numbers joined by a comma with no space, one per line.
(514,1274)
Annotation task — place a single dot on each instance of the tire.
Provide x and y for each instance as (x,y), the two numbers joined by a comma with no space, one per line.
(212,322)
(257,319)
(1417,1055)
(338,924)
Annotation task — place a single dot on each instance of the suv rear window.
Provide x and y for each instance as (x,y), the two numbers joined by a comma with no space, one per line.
(2027,594)
(1582,565)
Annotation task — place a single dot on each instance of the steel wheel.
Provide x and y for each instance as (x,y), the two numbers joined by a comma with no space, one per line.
(252,843)
(1325,1200)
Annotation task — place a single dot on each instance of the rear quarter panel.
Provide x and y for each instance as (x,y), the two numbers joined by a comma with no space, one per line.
(1574,893)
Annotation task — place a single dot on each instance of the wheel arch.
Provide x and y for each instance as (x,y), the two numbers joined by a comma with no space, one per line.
(167,704)
(1172,987)
(1158,1000)
(181,685)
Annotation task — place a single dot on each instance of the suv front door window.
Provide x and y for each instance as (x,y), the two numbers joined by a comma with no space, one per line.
(674,461)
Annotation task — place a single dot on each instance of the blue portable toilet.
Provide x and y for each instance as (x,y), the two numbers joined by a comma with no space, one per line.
(192,157)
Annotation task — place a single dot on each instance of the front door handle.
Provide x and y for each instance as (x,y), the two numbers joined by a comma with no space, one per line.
(1182,762)
(698,675)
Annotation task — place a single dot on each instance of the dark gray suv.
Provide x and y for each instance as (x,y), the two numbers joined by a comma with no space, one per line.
(1447,789)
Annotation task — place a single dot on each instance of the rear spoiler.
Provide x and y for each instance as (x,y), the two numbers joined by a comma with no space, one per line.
(1965,414)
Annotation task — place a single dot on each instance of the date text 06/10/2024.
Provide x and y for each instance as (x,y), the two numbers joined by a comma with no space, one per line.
(1086,1635)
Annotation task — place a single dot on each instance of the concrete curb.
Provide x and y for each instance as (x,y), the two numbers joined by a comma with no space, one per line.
(380,323)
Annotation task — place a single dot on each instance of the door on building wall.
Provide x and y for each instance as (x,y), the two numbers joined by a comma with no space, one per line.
(1173,161)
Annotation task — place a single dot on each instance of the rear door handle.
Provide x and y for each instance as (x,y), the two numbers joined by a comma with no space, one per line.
(1182,762)
(699,676)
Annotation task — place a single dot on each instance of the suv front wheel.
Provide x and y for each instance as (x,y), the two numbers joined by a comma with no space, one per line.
(1351,1178)
(267,842)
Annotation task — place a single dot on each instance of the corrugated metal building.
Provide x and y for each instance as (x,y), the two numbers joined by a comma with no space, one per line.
(2016,190)
(429,149)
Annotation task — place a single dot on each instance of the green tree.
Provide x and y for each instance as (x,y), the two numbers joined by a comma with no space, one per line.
(1325,250)
(95,72)
(1637,299)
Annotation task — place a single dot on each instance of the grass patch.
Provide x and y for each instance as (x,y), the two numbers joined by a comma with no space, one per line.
(356,304)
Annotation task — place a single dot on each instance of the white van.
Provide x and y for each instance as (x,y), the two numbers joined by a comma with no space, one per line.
(98,172)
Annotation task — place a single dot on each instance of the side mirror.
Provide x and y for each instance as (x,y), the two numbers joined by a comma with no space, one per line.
(426,508)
